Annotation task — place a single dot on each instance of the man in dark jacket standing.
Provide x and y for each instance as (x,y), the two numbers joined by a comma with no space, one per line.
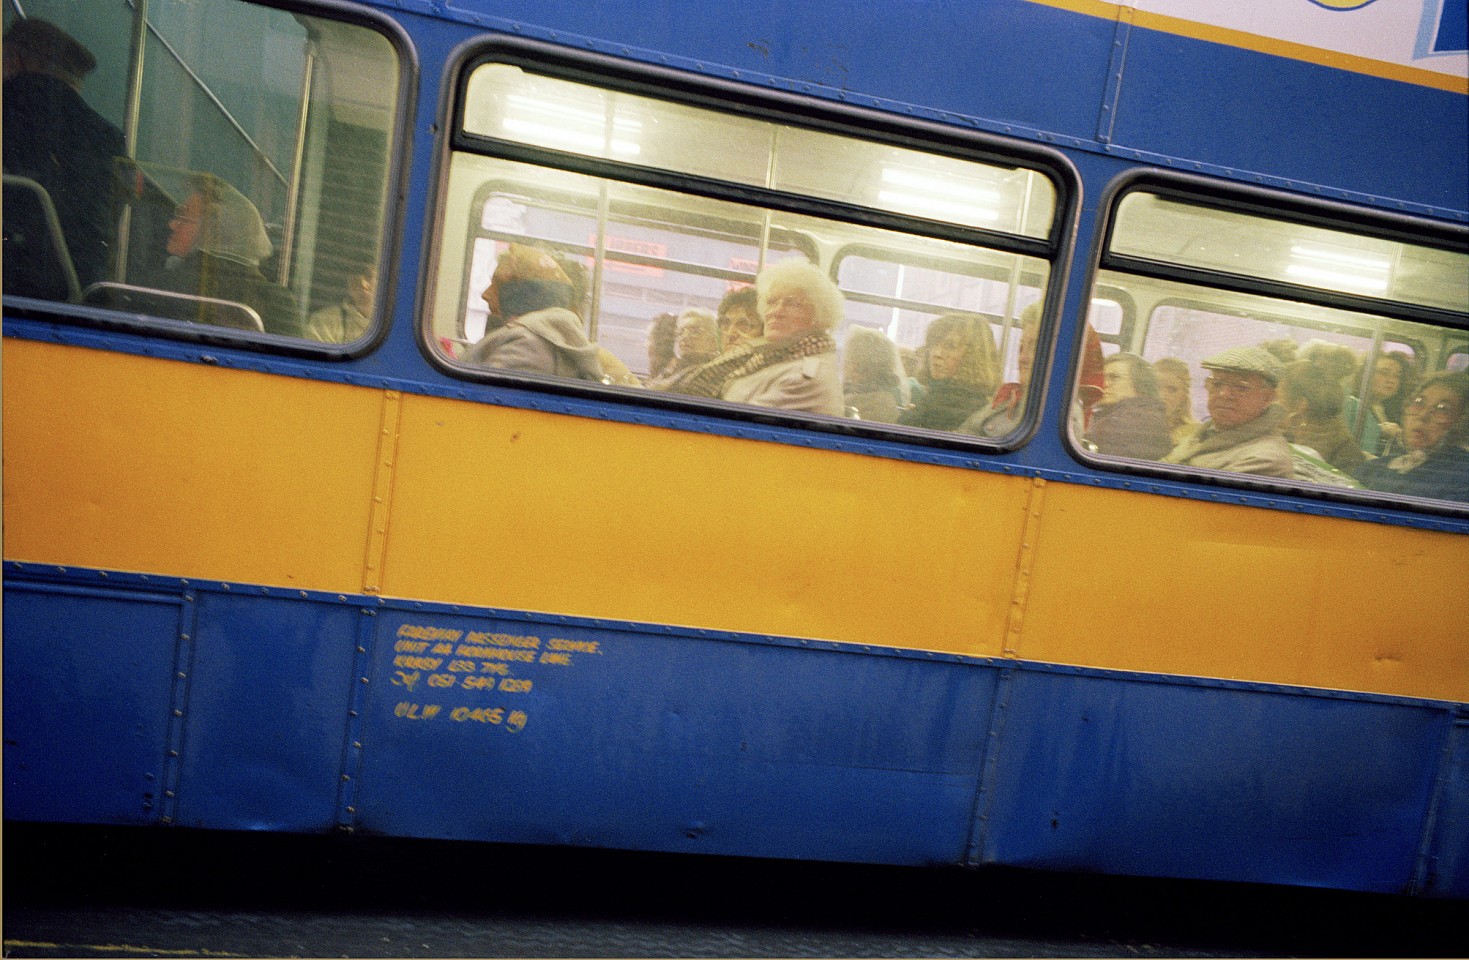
(54,138)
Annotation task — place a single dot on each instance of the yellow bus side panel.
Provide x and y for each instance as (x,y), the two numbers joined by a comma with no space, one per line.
(1138,582)
(505,507)
(129,463)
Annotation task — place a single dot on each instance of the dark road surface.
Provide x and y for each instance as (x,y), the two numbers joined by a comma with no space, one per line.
(72,892)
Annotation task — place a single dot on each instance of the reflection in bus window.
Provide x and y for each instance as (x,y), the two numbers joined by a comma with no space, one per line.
(65,149)
(765,295)
(1323,387)
(254,196)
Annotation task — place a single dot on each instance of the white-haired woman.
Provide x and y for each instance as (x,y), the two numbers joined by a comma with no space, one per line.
(793,366)
(695,341)
(215,244)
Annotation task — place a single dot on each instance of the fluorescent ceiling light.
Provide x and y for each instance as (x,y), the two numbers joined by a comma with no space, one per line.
(577,140)
(1335,279)
(1340,269)
(1342,258)
(940,186)
(557,123)
(943,208)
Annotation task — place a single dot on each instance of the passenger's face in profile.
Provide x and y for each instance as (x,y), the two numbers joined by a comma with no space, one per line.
(1428,417)
(788,313)
(1026,357)
(183,226)
(739,325)
(1237,398)
(946,356)
(362,291)
(1117,383)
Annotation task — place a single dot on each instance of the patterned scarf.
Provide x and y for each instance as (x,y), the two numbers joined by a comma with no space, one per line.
(710,378)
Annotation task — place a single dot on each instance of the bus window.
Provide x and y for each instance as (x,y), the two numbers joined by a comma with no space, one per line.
(628,212)
(650,264)
(1285,348)
(240,183)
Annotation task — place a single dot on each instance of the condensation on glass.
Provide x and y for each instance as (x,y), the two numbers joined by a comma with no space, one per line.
(228,166)
(1340,412)
(642,252)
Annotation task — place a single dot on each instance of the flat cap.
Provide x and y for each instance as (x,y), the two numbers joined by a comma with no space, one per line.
(1246,360)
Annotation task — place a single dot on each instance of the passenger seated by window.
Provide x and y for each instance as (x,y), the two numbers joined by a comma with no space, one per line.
(1242,433)
(1391,386)
(216,241)
(873,382)
(695,341)
(346,321)
(661,334)
(1311,395)
(54,138)
(614,371)
(793,367)
(1175,389)
(739,318)
(1090,380)
(1284,350)
(1130,420)
(1436,435)
(1004,411)
(530,327)
(959,368)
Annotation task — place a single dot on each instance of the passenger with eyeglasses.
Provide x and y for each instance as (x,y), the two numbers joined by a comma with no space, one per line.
(1436,435)
(793,366)
(1243,432)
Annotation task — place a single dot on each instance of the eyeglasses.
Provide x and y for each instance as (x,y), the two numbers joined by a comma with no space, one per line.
(1441,412)
(1216,385)
(795,302)
(179,216)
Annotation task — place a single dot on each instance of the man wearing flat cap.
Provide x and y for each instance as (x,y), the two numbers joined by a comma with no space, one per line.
(531,328)
(1242,433)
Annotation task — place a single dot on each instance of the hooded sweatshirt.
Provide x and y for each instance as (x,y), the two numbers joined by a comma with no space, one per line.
(549,341)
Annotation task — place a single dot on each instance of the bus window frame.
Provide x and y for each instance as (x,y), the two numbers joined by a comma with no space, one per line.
(720,95)
(395,184)
(1260,201)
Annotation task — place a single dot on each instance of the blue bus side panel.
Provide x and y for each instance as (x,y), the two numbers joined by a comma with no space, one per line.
(1178,779)
(1222,105)
(268,711)
(1034,62)
(677,742)
(1448,857)
(88,680)
(304,713)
